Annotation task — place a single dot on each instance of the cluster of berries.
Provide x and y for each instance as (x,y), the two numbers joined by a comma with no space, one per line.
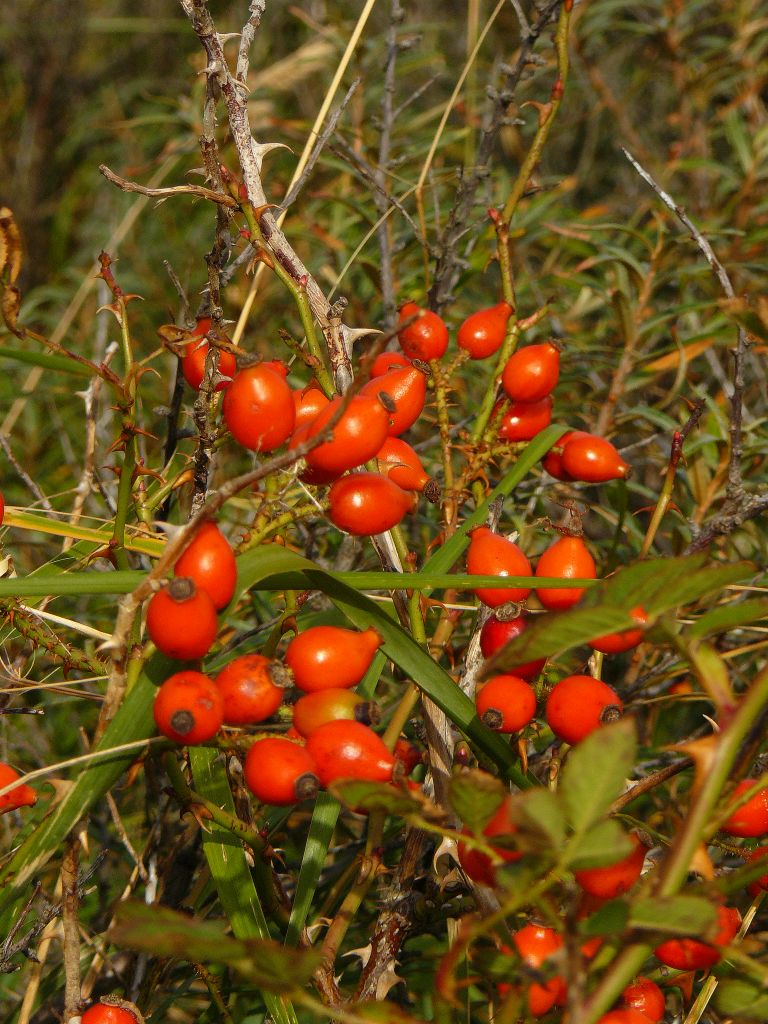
(330,737)
(262,412)
(578,704)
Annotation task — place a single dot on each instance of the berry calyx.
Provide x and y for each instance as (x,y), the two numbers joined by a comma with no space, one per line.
(188,708)
(580,704)
(280,772)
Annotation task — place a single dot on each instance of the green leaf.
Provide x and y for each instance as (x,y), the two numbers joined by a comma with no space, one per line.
(596,771)
(230,871)
(168,933)
(659,585)
(476,796)
(742,1000)
(48,361)
(556,632)
(729,616)
(675,915)
(538,814)
(321,828)
(610,919)
(362,795)
(602,844)
(664,584)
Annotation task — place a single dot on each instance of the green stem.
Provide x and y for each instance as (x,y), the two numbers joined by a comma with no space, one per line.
(187,795)
(547,115)
(302,304)
(124,494)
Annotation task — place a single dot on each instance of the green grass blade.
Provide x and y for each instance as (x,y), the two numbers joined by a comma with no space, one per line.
(324,818)
(48,362)
(229,867)
(43,584)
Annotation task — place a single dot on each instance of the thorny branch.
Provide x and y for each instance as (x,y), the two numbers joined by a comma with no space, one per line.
(160,193)
(234,92)
(739,506)
(450,263)
(381,196)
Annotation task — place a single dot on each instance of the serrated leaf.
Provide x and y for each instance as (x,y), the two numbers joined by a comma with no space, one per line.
(365,796)
(539,812)
(596,771)
(602,844)
(610,919)
(742,1000)
(675,915)
(556,632)
(164,932)
(729,616)
(476,796)
(673,582)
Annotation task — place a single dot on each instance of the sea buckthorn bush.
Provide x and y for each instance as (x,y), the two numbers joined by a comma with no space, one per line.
(382,527)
